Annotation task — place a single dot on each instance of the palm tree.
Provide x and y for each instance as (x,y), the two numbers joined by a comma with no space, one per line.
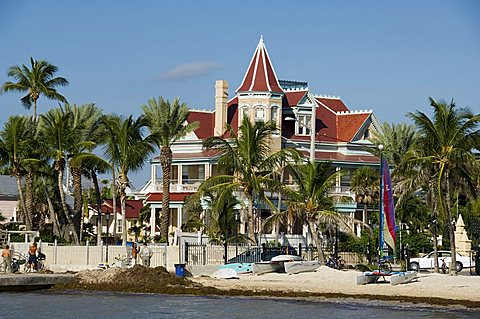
(365,184)
(167,123)
(83,118)
(58,130)
(397,140)
(37,80)
(310,200)
(127,150)
(249,162)
(16,141)
(449,139)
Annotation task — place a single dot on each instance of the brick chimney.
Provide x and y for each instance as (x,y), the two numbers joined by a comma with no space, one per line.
(221,98)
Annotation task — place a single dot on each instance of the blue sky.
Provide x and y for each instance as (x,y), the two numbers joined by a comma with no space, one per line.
(389,56)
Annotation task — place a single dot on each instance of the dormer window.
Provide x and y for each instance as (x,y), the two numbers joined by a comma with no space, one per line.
(302,126)
(366,135)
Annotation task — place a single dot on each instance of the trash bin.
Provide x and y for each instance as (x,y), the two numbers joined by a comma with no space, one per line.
(180,270)
(477,264)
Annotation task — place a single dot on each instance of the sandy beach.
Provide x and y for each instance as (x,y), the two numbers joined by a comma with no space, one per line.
(325,281)
(429,288)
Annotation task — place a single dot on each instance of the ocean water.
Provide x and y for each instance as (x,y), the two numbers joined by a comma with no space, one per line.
(47,304)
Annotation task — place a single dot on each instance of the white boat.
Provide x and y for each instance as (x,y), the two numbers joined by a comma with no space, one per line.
(396,277)
(296,267)
(225,273)
(274,265)
(402,277)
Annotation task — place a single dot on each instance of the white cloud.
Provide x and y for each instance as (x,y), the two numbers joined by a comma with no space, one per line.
(189,70)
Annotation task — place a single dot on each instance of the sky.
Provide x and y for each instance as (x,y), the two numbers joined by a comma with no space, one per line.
(389,56)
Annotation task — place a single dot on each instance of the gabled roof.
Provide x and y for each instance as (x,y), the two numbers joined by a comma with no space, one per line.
(333,103)
(260,75)
(132,207)
(349,124)
(207,123)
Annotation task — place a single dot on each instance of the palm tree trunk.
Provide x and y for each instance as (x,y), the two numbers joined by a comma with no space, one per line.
(123,181)
(450,223)
(98,200)
(28,221)
(166,162)
(53,217)
(64,204)
(29,199)
(114,200)
(35,109)
(318,243)
(251,230)
(124,222)
(435,239)
(77,197)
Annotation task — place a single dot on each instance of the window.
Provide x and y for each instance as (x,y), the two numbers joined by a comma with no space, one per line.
(193,174)
(245,111)
(366,135)
(260,114)
(119,226)
(273,115)
(302,127)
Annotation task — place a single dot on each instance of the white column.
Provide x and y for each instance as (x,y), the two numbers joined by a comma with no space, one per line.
(153,226)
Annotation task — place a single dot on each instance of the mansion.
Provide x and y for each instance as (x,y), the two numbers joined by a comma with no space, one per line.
(320,126)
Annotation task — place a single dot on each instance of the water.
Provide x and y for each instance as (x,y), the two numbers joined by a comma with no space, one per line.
(49,305)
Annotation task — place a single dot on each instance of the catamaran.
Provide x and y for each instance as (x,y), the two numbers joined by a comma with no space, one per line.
(387,234)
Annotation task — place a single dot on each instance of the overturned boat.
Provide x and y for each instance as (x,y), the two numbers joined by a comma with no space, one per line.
(276,264)
(296,267)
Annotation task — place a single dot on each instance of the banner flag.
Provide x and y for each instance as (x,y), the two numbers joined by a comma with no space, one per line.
(388,208)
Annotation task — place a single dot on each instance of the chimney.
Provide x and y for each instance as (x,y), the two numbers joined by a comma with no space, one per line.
(221,98)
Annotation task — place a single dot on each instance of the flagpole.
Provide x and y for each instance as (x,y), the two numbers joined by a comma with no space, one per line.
(380,208)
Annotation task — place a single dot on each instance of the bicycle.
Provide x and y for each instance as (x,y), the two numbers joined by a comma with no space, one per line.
(384,264)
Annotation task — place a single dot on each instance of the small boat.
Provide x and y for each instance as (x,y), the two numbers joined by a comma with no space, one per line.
(225,273)
(396,277)
(296,267)
(276,264)
(240,268)
(402,277)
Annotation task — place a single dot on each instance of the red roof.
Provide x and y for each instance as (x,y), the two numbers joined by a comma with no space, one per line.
(260,75)
(132,207)
(335,104)
(293,97)
(348,125)
(207,123)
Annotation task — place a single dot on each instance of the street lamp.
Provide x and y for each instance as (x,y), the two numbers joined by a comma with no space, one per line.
(107,218)
(99,231)
(237,220)
(99,225)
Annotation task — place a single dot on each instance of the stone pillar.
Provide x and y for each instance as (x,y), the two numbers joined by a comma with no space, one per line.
(463,245)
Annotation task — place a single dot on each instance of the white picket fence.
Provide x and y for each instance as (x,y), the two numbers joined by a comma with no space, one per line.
(91,256)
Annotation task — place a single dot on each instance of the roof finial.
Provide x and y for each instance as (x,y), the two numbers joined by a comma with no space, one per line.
(261,39)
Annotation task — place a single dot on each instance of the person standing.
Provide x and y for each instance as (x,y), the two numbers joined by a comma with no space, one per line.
(7,260)
(146,254)
(32,257)
(134,253)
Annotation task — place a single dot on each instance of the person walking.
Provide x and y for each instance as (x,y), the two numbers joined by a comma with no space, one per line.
(146,254)
(7,260)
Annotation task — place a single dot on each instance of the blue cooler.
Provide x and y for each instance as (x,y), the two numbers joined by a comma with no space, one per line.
(180,270)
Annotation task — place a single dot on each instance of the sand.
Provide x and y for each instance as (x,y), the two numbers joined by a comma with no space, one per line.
(429,288)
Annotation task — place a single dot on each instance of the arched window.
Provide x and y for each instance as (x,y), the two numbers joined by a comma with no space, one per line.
(259,113)
(273,115)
